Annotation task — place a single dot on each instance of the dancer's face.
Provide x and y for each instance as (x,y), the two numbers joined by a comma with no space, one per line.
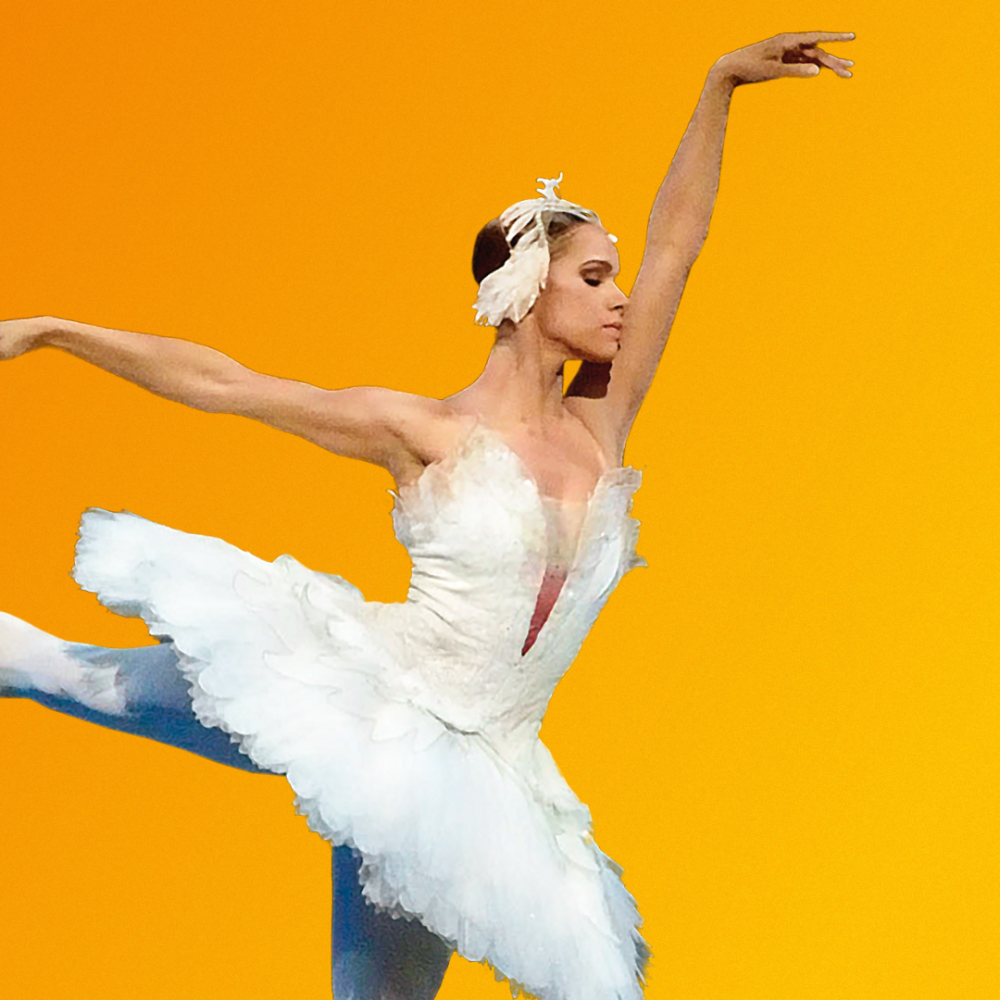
(581,307)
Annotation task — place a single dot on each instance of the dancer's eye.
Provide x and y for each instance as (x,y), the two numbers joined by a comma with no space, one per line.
(593,282)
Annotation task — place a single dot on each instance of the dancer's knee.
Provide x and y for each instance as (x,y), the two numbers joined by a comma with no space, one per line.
(146,676)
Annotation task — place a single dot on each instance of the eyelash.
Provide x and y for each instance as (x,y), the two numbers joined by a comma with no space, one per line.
(593,282)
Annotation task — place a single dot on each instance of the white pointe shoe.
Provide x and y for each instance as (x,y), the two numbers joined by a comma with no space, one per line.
(33,659)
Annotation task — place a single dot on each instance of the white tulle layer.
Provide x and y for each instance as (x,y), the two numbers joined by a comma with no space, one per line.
(492,854)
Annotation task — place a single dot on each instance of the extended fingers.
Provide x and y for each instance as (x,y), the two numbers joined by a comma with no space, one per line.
(803,52)
(835,63)
(800,69)
(811,37)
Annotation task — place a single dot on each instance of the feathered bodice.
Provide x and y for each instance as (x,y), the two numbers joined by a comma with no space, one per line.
(476,529)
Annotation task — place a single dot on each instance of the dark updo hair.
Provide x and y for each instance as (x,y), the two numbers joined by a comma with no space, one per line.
(491,250)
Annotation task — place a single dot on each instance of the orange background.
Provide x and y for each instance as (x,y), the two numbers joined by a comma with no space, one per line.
(786,726)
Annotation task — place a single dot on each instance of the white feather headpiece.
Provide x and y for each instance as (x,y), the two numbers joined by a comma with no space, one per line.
(510,291)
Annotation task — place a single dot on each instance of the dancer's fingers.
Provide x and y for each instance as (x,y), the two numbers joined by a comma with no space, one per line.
(811,37)
(800,69)
(831,62)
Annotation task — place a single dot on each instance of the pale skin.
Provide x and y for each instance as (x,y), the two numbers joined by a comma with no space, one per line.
(566,437)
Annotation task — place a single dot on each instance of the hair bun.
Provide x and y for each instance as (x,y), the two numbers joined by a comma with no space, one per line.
(491,250)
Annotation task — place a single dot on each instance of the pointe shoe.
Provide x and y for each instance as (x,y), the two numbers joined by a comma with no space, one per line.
(31,659)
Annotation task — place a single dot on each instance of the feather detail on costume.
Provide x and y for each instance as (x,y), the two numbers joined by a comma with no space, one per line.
(511,291)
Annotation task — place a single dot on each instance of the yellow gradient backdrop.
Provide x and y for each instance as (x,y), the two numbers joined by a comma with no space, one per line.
(786,726)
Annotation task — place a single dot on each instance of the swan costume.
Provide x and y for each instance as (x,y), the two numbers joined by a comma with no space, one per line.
(408,731)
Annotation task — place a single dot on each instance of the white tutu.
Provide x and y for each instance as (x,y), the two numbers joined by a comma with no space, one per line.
(410,731)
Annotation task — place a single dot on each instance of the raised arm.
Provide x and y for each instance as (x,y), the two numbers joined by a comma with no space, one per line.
(678,226)
(376,425)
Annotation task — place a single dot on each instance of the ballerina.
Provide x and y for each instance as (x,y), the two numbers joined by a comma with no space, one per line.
(410,731)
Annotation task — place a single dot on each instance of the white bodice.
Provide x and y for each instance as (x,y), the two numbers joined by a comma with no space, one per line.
(476,530)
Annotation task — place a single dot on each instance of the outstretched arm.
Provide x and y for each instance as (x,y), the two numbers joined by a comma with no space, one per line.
(678,226)
(372,424)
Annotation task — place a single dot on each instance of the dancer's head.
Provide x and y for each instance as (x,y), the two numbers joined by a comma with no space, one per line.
(553,261)
(581,307)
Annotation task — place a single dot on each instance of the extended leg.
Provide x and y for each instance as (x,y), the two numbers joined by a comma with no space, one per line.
(141,691)
(137,691)
(374,956)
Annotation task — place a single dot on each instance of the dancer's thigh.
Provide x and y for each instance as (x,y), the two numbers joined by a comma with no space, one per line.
(164,725)
(374,956)
(158,706)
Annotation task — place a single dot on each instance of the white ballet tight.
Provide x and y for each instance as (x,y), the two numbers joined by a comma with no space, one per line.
(141,691)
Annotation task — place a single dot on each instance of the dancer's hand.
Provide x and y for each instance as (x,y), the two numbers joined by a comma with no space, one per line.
(18,336)
(794,54)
